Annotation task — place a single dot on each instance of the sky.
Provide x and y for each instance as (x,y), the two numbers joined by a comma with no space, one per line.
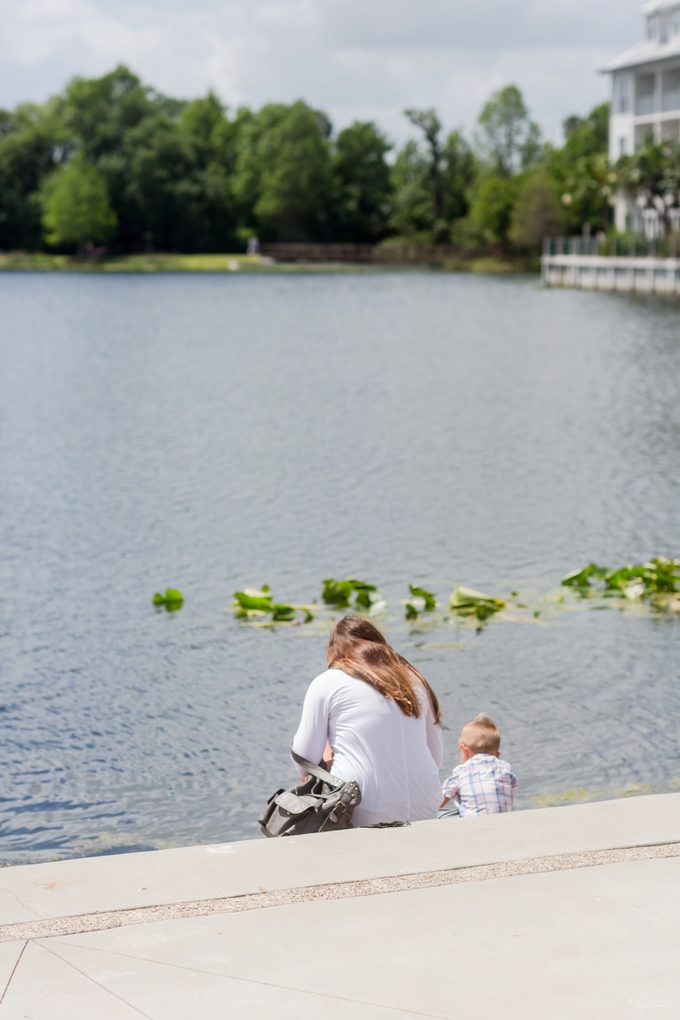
(356,59)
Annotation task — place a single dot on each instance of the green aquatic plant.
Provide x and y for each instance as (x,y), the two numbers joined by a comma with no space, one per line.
(426,602)
(634,790)
(570,796)
(658,576)
(339,594)
(582,578)
(656,581)
(258,599)
(172,600)
(256,604)
(468,602)
(282,613)
(428,597)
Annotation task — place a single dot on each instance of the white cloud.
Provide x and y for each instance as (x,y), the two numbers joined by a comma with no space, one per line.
(354,58)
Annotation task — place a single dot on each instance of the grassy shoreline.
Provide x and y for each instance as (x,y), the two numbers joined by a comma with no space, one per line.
(170,263)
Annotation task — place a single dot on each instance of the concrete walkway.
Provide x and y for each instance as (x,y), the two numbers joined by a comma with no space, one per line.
(553,914)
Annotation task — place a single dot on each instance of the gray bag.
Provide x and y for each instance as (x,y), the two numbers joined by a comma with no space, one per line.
(321,804)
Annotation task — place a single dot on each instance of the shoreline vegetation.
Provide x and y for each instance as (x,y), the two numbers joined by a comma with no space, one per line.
(114,168)
(170,262)
(112,175)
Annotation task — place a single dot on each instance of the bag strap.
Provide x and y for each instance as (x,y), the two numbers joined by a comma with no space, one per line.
(316,770)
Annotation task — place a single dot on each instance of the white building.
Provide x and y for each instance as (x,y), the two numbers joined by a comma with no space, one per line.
(645,93)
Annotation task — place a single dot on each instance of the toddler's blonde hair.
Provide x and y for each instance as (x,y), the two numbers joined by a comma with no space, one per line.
(481,735)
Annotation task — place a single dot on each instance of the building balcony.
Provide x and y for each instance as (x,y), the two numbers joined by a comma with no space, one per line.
(644,105)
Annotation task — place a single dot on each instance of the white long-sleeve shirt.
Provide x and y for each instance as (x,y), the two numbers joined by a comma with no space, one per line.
(394,758)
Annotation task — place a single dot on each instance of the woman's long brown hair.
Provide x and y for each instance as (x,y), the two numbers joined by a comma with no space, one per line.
(357,647)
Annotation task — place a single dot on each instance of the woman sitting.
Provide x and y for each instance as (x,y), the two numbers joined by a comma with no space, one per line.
(379,721)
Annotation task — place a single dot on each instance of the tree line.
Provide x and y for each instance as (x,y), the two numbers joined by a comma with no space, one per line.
(111,161)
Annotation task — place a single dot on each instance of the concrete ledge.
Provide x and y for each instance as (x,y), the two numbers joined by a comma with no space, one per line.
(644,275)
(568,913)
(103,920)
(164,877)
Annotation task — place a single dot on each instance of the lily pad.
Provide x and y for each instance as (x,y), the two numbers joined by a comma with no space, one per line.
(339,594)
(367,594)
(468,602)
(253,598)
(282,613)
(582,578)
(172,600)
(657,578)
(428,597)
(425,602)
(255,605)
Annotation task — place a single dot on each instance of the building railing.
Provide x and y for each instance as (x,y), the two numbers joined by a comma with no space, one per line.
(644,106)
(571,245)
(619,246)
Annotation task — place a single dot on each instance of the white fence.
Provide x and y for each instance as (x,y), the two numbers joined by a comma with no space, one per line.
(571,245)
(644,275)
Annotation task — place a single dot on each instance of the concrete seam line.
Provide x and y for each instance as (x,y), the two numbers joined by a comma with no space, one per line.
(14,970)
(88,977)
(102,920)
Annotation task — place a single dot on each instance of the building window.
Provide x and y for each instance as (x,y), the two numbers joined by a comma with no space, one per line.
(643,133)
(644,94)
(670,130)
(670,89)
(652,26)
(664,28)
(622,95)
(675,21)
(622,146)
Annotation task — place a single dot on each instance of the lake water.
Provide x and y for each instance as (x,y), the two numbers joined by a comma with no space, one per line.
(213,432)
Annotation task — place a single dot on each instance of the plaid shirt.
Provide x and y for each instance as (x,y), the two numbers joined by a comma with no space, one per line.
(483,785)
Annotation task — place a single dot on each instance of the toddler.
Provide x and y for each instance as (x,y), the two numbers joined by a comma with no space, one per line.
(482,784)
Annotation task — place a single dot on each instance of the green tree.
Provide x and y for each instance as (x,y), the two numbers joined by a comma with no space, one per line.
(586,136)
(493,206)
(509,140)
(76,209)
(205,192)
(284,177)
(581,170)
(589,192)
(213,136)
(654,169)
(175,189)
(203,121)
(459,172)
(430,125)
(362,182)
(168,164)
(124,128)
(100,111)
(33,141)
(412,213)
(430,189)
(538,211)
